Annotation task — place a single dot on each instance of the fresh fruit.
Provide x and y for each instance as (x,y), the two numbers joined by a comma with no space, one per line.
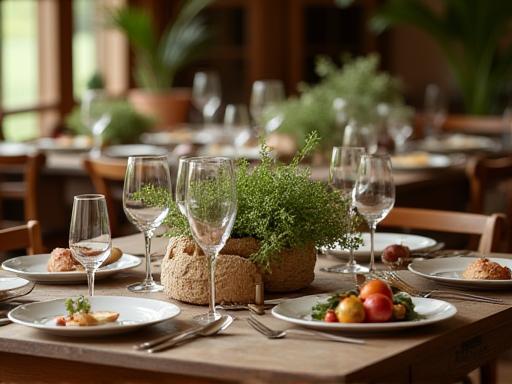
(350,310)
(378,308)
(375,286)
(394,253)
(330,316)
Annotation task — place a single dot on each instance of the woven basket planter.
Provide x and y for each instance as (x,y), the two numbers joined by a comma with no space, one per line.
(185,271)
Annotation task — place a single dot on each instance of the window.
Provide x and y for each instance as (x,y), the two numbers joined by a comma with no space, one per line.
(19,64)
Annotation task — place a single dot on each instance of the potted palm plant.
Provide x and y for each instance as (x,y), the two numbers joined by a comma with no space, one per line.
(157,60)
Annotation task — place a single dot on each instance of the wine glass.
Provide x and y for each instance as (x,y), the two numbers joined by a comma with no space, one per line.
(206,94)
(146,174)
(89,234)
(238,123)
(266,93)
(181,183)
(374,193)
(95,117)
(400,131)
(211,205)
(342,177)
(356,135)
(435,110)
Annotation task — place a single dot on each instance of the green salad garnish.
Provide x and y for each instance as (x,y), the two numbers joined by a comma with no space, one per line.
(80,305)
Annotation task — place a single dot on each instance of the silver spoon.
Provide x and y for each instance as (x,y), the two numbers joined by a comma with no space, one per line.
(211,329)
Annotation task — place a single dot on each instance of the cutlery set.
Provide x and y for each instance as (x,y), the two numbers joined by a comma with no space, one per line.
(11,300)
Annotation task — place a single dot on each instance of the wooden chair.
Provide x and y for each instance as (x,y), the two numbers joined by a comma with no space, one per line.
(487,173)
(103,173)
(27,236)
(490,229)
(26,190)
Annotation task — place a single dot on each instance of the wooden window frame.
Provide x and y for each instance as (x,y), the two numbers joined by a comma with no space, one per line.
(55,64)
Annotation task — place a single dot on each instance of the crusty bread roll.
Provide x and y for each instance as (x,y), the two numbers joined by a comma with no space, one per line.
(61,260)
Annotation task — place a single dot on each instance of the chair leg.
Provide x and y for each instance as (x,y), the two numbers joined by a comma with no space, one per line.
(489,372)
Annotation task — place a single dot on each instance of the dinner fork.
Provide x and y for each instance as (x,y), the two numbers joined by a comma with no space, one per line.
(394,279)
(279,334)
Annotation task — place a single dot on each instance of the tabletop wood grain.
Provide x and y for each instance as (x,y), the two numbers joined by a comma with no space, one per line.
(478,333)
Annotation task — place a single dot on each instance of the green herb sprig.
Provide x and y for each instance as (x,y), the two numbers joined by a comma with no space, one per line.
(80,305)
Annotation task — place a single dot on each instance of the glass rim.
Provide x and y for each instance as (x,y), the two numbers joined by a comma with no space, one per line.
(152,157)
(377,155)
(338,147)
(210,159)
(89,196)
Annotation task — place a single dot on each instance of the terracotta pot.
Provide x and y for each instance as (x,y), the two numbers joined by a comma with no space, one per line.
(169,109)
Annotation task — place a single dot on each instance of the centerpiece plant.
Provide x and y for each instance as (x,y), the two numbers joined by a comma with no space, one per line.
(280,206)
(360,85)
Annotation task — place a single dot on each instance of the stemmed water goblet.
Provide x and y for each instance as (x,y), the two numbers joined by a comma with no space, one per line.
(342,177)
(146,174)
(89,234)
(206,94)
(95,117)
(374,194)
(265,94)
(211,205)
(238,124)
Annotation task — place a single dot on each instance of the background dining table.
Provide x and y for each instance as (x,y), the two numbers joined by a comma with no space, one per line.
(478,333)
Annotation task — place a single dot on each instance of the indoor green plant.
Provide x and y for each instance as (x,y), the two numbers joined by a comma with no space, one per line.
(281,207)
(471,37)
(358,82)
(157,60)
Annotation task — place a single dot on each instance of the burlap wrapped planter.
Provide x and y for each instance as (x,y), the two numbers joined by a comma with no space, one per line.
(185,272)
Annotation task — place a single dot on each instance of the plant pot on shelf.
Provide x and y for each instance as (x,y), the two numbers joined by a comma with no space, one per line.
(185,271)
(168,108)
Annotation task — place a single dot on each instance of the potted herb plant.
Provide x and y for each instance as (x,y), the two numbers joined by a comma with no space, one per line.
(282,216)
(157,60)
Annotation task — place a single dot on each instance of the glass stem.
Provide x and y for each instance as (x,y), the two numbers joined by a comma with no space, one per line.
(373,227)
(211,281)
(90,281)
(147,243)
(207,119)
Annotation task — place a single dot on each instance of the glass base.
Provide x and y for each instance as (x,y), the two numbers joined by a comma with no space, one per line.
(146,287)
(207,318)
(346,268)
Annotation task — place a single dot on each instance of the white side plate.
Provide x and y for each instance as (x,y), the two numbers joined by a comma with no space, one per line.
(449,270)
(34,268)
(298,311)
(134,313)
(382,240)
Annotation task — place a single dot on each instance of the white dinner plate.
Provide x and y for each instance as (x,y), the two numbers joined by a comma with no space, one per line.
(34,268)
(448,270)
(459,143)
(382,240)
(124,151)
(134,313)
(298,311)
(8,284)
(423,161)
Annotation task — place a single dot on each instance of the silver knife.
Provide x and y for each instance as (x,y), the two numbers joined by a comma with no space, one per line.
(169,336)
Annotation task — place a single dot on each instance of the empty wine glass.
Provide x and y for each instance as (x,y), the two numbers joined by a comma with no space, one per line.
(211,205)
(146,174)
(89,234)
(238,123)
(181,183)
(206,94)
(266,93)
(95,117)
(374,193)
(342,177)
(357,135)
(400,131)
(435,110)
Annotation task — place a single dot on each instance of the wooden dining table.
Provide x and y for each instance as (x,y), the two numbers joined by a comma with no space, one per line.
(442,352)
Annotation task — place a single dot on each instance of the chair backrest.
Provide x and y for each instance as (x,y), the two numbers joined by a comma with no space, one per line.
(26,236)
(490,228)
(27,190)
(103,173)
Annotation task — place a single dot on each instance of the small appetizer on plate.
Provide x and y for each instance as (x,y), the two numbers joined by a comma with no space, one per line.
(79,314)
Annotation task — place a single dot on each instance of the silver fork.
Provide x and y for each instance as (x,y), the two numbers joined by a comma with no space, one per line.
(394,279)
(279,334)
